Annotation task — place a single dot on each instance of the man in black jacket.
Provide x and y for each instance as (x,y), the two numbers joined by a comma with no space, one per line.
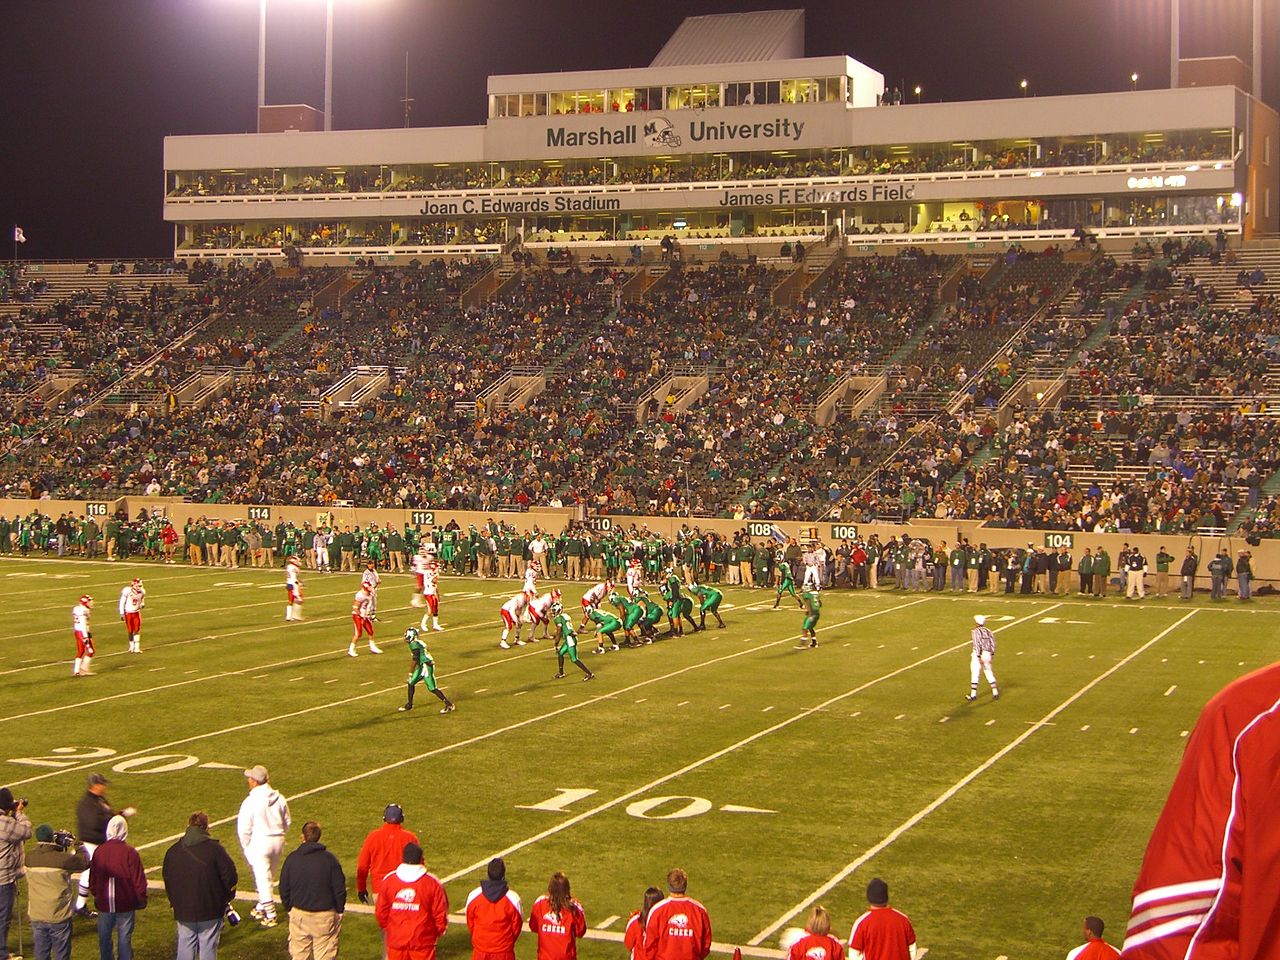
(200,880)
(93,813)
(314,891)
(1190,563)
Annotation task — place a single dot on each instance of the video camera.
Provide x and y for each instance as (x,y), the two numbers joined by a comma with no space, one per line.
(64,839)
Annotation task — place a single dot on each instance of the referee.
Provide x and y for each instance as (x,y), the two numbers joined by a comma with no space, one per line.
(984,652)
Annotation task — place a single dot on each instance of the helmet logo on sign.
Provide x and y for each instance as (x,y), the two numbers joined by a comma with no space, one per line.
(660,132)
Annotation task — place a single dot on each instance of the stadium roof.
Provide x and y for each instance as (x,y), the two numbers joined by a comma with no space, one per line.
(735,38)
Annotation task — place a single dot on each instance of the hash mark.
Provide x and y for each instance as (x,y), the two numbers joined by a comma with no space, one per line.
(296,679)
(557,696)
(642,700)
(990,723)
(334,680)
(725,706)
(767,709)
(944,719)
(1184,733)
(483,690)
(899,716)
(683,703)
(1133,730)
(856,713)
(1084,728)
(1171,689)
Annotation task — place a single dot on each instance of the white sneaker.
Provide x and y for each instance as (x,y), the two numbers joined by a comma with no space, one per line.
(351,651)
(374,648)
(504,645)
(436,626)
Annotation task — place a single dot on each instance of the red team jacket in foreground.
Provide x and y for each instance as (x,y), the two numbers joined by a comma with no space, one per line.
(557,935)
(883,933)
(678,929)
(494,925)
(380,854)
(1209,888)
(413,910)
(817,946)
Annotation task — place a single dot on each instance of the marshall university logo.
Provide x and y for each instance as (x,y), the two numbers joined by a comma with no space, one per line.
(659,132)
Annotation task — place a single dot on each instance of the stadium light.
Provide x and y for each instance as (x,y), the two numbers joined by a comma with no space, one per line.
(918,91)
(1133,81)
(1023,85)
(328,59)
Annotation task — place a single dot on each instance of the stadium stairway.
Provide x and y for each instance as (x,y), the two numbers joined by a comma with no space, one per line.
(1270,487)
(1222,275)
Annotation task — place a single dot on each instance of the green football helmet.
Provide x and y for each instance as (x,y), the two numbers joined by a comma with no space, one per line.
(411,635)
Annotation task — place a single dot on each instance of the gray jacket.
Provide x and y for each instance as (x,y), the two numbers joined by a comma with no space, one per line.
(15,830)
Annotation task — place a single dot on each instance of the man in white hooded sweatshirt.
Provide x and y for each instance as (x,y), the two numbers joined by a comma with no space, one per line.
(262,825)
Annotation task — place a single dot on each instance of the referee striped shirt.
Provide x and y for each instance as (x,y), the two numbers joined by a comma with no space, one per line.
(984,641)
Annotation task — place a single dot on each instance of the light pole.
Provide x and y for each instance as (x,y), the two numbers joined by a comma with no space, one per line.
(262,53)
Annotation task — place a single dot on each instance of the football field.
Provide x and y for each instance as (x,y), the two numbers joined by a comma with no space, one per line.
(777,777)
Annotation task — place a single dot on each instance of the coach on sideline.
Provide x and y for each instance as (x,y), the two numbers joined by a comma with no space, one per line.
(314,891)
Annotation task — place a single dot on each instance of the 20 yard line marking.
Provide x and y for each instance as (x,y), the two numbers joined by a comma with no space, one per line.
(959,785)
(520,724)
(710,758)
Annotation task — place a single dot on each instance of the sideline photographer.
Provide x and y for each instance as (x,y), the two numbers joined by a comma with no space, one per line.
(51,891)
(15,830)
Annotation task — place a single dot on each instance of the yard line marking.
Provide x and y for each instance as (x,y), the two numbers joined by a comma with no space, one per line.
(959,785)
(724,751)
(1171,689)
(608,922)
(445,748)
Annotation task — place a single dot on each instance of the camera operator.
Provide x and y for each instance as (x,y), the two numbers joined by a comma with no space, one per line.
(93,813)
(15,830)
(50,891)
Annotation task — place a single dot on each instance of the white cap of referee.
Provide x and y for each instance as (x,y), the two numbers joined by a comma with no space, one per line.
(979,619)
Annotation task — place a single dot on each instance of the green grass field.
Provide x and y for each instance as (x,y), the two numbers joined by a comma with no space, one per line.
(777,777)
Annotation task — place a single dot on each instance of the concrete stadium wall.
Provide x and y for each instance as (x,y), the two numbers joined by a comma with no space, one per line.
(1266,556)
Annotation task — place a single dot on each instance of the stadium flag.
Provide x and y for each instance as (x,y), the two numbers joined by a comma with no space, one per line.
(18,235)
(778,535)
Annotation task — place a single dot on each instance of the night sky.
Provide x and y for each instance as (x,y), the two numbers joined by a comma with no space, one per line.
(91,87)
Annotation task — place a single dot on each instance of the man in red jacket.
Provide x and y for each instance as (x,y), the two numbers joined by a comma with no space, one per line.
(381,852)
(494,916)
(1094,947)
(882,933)
(678,927)
(412,910)
(119,887)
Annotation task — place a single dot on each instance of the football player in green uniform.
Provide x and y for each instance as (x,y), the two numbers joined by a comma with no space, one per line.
(651,617)
(786,584)
(606,626)
(631,615)
(679,607)
(424,671)
(710,599)
(567,643)
(812,611)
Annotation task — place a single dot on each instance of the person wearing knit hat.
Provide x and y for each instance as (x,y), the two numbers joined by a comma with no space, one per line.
(984,652)
(421,908)
(882,933)
(15,830)
(495,916)
(50,894)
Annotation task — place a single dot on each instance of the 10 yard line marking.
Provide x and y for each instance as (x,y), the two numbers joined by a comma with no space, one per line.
(479,738)
(710,758)
(959,785)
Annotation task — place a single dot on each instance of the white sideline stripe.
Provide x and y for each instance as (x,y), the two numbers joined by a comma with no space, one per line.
(724,751)
(608,922)
(959,785)
(267,720)
(479,738)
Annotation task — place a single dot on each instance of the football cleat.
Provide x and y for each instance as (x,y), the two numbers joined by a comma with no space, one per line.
(559,676)
(971,698)
(588,677)
(448,708)
(504,645)
(995,695)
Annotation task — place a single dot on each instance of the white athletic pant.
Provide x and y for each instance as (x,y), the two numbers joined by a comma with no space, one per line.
(322,559)
(1137,584)
(981,664)
(811,578)
(263,857)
